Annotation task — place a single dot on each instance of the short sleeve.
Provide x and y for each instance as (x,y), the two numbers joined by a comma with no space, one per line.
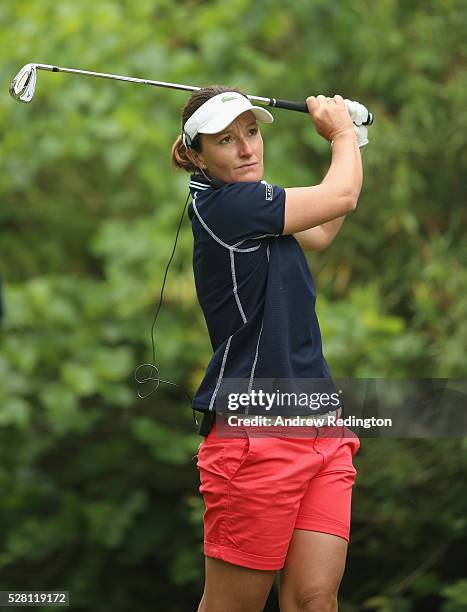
(247,210)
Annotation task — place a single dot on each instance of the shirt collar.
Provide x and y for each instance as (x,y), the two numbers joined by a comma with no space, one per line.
(198,183)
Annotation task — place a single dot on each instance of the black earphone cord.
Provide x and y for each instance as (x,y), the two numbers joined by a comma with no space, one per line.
(152,366)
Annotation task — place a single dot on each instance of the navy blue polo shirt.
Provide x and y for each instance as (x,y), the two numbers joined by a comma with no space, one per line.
(254,287)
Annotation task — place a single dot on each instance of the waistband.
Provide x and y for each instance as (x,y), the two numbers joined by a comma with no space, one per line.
(321,420)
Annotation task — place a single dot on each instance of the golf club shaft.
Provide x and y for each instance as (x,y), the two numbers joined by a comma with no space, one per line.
(274,102)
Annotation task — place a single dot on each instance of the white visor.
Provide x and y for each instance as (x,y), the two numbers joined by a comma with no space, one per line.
(219,111)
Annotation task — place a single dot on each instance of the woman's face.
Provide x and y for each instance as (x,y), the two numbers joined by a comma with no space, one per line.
(236,153)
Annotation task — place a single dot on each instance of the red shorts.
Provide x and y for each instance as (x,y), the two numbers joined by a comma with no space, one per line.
(257,490)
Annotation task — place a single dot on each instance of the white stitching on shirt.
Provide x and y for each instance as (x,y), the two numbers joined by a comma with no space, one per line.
(198,185)
(211,233)
(256,238)
(252,373)
(235,287)
(221,373)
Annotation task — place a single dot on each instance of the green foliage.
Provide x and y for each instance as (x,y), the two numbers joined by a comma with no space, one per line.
(98,487)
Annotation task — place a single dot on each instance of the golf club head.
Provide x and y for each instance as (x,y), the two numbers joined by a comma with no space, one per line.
(23,86)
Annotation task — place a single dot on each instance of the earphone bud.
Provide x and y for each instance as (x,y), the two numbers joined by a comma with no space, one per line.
(186,140)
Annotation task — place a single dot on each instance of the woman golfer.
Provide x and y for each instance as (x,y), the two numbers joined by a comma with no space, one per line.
(272,502)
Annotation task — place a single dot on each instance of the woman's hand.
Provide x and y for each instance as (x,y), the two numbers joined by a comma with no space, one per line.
(329,115)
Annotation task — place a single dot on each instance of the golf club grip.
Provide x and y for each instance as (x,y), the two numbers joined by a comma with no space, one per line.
(302,108)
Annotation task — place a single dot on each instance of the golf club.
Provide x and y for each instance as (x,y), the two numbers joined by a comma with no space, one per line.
(23,86)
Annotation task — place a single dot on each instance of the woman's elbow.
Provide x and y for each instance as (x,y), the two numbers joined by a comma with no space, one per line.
(353,200)
(353,197)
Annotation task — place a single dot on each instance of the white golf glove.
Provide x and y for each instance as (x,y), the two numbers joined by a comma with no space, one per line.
(358,114)
(362,135)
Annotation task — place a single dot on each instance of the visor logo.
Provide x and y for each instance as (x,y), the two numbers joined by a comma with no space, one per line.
(228,98)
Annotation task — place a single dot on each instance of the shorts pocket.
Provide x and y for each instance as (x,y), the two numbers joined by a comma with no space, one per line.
(223,457)
(235,454)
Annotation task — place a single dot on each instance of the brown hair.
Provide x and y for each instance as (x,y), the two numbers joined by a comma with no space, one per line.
(180,160)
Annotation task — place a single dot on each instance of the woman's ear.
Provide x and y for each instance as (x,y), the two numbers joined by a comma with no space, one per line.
(193,157)
(189,154)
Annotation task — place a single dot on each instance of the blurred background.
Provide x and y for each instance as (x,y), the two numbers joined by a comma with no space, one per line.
(98,488)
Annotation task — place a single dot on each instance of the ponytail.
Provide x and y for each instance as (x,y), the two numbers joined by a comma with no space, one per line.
(180,160)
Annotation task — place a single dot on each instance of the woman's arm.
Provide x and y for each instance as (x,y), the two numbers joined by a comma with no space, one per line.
(335,196)
(319,237)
